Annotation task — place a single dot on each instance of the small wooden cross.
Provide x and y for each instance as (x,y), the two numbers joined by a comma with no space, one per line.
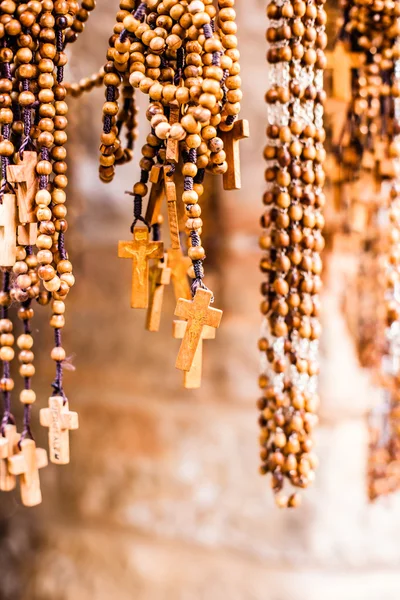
(192,378)
(172,153)
(8,447)
(232,178)
(26,464)
(8,231)
(342,63)
(156,195)
(198,314)
(141,250)
(60,421)
(179,265)
(23,176)
(170,194)
(160,276)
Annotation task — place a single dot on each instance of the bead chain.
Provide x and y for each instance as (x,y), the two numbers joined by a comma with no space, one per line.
(292,243)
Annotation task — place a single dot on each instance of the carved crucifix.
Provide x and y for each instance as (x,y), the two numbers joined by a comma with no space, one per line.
(198,314)
(8,447)
(232,178)
(140,250)
(26,464)
(192,378)
(25,181)
(179,265)
(160,276)
(60,421)
(8,231)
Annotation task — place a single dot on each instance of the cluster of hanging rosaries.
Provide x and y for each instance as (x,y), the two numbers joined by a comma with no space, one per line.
(184,55)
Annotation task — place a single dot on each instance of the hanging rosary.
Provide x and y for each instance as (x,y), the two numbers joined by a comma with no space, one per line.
(184,56)
(33,258)
(292,242)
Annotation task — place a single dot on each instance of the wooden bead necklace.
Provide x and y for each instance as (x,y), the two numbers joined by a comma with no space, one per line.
(292,242)
(184,56)
(370,153)
(33,257)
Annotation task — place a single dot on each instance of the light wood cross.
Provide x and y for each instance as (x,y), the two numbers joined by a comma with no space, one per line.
(170,194)
(192,378)
(8,447)
(198,314)
(160,276)
(60,421)
(156,195)
(179,265)
(8,231)
(23,176)
(26,464)
(140,250)
(232,178)
(342,63)
(172,153)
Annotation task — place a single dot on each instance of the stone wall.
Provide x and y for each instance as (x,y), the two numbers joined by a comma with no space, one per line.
(162,500)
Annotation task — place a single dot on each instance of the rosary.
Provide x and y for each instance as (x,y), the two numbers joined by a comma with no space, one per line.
(183,54)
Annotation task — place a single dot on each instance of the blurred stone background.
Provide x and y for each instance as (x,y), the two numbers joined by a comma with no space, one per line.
(162,500)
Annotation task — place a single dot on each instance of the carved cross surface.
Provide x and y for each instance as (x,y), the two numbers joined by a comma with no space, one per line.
(156,195)
(26,464)
(179,265)
(232,178)
(192,378)
(160,276)
(25,182)
(170,194)
(8,231)
(8,447)
(60,421)
(198,314)
(140,250)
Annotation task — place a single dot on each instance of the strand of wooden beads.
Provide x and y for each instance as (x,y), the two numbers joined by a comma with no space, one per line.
(292,242)
(119,55)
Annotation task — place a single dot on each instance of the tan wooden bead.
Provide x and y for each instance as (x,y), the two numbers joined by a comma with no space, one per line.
(27,397)
(25,341)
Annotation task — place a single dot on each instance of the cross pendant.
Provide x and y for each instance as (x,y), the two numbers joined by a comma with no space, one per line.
(160,276)
(140,251)
(232,178)
(26,464)
(60,421)
(23,176)
(192,378)
(8,447)
(198,314)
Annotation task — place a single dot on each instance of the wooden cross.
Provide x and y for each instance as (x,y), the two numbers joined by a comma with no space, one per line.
(198,314)
(170,194)
(160,276)
(8,447)
(141,250)
(8,231)
(23,176)
(26,464)
(179,265)
(192,378)
(156,195)
(60,421)
(232,178)
(342,63)
(172,153)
